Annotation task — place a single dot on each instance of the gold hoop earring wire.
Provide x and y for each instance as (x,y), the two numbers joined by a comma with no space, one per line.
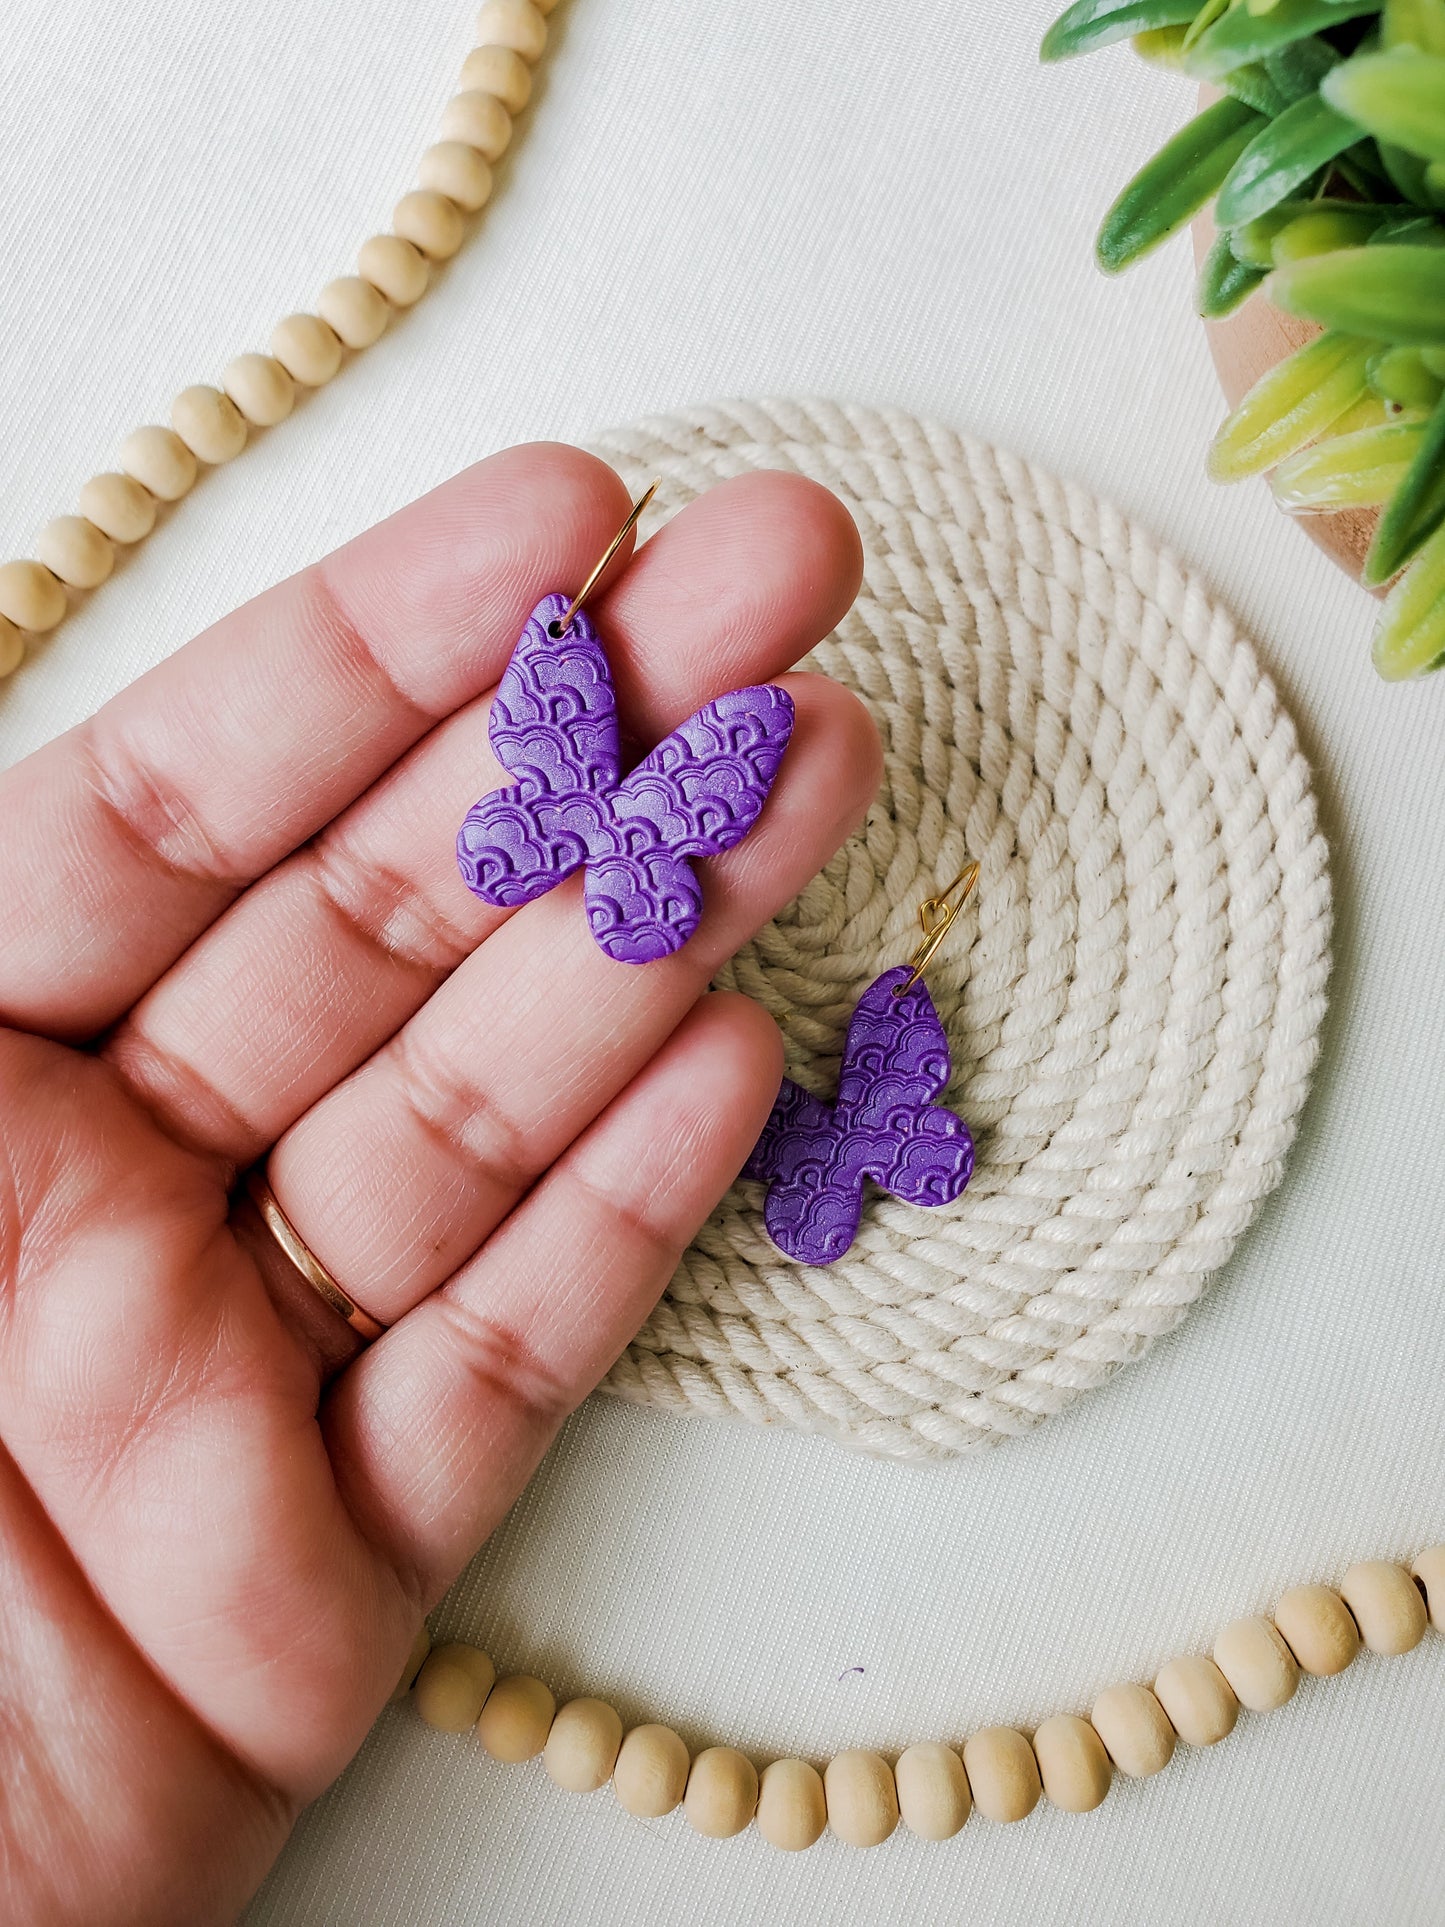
(937,916)
(559,629)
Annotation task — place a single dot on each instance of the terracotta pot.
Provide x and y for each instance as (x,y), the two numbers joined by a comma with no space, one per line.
(1246,345)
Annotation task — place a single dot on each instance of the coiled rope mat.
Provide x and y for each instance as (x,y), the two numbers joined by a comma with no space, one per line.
(1133,995)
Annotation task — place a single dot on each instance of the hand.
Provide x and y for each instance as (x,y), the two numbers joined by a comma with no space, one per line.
(231,921)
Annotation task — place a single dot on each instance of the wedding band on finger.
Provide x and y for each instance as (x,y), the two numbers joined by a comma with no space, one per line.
(306,1261)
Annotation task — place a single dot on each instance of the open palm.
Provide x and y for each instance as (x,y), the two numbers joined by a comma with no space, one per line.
(230,920)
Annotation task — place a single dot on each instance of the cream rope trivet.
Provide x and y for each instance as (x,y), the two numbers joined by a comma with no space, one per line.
(1133,996)
(74,553)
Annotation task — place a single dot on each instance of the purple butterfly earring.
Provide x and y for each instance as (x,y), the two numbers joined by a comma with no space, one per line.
(884,1125)
(554,727)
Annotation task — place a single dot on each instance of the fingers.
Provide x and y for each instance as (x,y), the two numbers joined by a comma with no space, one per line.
(395,1178)
(435,1429)
(127,837)
(325,958)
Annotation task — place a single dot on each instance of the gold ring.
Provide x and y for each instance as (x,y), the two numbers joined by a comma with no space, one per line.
(306,1261)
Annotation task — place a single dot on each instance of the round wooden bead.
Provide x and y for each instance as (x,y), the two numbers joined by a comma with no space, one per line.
(394,267)
(1002,1773)
(30,596)
(512,23)
(1135,1730)
(415,1660)
(650,1776)
(430,222)
(1072,1763)
(353,309)
(1429,1570)
(792,1809)
(1198,1698)
(119,507)
(12,648)
(458,171)
(933,1796)
(499,71)
(516,1719)
(477,120)
(1386,1605)
(307,349)
(722,1792)
(452,1686)
(261,388)
(209,423)
(1318,1629)
(583,1744)
(1260,1668)
(76,551)
(160,461)
(862,1797)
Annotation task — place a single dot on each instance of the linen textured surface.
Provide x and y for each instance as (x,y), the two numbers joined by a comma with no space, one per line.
(890,202)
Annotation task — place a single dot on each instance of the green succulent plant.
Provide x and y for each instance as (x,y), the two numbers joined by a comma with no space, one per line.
(1325,160)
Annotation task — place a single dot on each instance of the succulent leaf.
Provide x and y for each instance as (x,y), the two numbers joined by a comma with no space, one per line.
(1410,640)
(1394,294)
(1416,509)
(1288,407)
(1239,36)
(1170,189)
(1290,150)
(1397,96)
(1348,471)
(1224,281)
(1097,23)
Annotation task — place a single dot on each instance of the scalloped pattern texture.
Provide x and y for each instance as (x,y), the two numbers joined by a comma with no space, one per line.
(1132,997)
(884,1126)
(553,725)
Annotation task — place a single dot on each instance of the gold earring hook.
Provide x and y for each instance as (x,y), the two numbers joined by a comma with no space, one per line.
(559,629)
(937,916)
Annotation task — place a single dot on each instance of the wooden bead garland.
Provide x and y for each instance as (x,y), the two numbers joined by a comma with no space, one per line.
(210,425)
(1385,1604)
(515,1722)
(119,507)
(1260,1668)
(394,268)
(307,349)
(792,1805)
(933,1796)
(75,550)
(1072,1763)
(722,1792)
(861,1799)
(159,460)
(583,1745)
(261,388)
(1199,1700)
(1135,1730)
(650,1776)
(1318,1629)
(1003,1774)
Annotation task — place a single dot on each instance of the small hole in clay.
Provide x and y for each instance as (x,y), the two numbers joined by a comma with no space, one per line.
(554,630)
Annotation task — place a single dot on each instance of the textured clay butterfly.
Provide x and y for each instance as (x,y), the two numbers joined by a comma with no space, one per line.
(884,1126)
(554,727)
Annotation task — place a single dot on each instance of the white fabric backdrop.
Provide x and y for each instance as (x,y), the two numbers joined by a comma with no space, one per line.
(883,199)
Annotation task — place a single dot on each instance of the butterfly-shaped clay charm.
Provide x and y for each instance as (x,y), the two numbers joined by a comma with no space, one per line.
(554,727)
(884,1126)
